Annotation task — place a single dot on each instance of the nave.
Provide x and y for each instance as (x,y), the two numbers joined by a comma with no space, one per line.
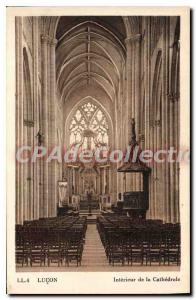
(108,243)
(80,82)
(88,85)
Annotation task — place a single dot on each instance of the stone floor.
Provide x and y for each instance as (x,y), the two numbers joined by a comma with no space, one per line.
(94,259)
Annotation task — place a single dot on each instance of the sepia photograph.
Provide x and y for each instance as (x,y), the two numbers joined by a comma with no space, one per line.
(99,146)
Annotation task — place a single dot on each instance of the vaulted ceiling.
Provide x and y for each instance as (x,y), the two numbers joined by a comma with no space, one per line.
(90,53)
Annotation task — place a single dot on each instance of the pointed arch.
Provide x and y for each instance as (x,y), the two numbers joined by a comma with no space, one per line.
(27,97)
(96,108)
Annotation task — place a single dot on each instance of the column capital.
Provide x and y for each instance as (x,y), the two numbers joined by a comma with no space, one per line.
(44,38)
(133,38)
(48,40)
(53,42)
(173,97)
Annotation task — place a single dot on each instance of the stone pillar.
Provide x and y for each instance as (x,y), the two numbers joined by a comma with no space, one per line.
(82,185)
(25,169)
(70,181)
(74,180)
(19,119)
(44,200)
(147,80)
(49,170)
(172,165)
(158,168)
(49,130)
(133,44)
(137,94)
(137,80)
(177,165)
(173,134)
(129,80)
(76,184)
(98,183)
(165,120)
(108,180)
(36,166)
(52,127)
(177,131)
(101,178)
(95,184)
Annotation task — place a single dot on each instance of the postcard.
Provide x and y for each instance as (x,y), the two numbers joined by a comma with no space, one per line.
(98,147)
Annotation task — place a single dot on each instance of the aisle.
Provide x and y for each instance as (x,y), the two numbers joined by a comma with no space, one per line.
(94,253)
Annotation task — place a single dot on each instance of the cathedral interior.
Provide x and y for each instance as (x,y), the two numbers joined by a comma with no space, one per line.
(97,83)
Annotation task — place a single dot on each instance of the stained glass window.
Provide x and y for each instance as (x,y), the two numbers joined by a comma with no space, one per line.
(89,127)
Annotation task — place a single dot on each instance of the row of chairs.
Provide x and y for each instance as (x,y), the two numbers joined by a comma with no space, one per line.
(145,243)
(49,241)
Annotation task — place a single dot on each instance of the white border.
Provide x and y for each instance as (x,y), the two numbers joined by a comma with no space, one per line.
(2,49)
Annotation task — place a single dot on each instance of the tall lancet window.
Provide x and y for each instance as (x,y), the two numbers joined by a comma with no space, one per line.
(89,127)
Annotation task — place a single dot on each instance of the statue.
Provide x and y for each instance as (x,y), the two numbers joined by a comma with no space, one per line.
(40,138)
(133,134)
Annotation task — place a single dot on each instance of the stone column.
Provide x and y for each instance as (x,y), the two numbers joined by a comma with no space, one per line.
(74,180)
(109,180)
(25,170)
(52,127)
(82,185)
(173,97)
(36,166)
(165,120)
(177,163)
(98,183)
(136,40)
(172,166)
(49,129)
(101,181)
(133,44)
(147,80)
(19,119)
(76,191)
(104,180)
(137,98)
(129,81)
(44,200)
(177,131)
